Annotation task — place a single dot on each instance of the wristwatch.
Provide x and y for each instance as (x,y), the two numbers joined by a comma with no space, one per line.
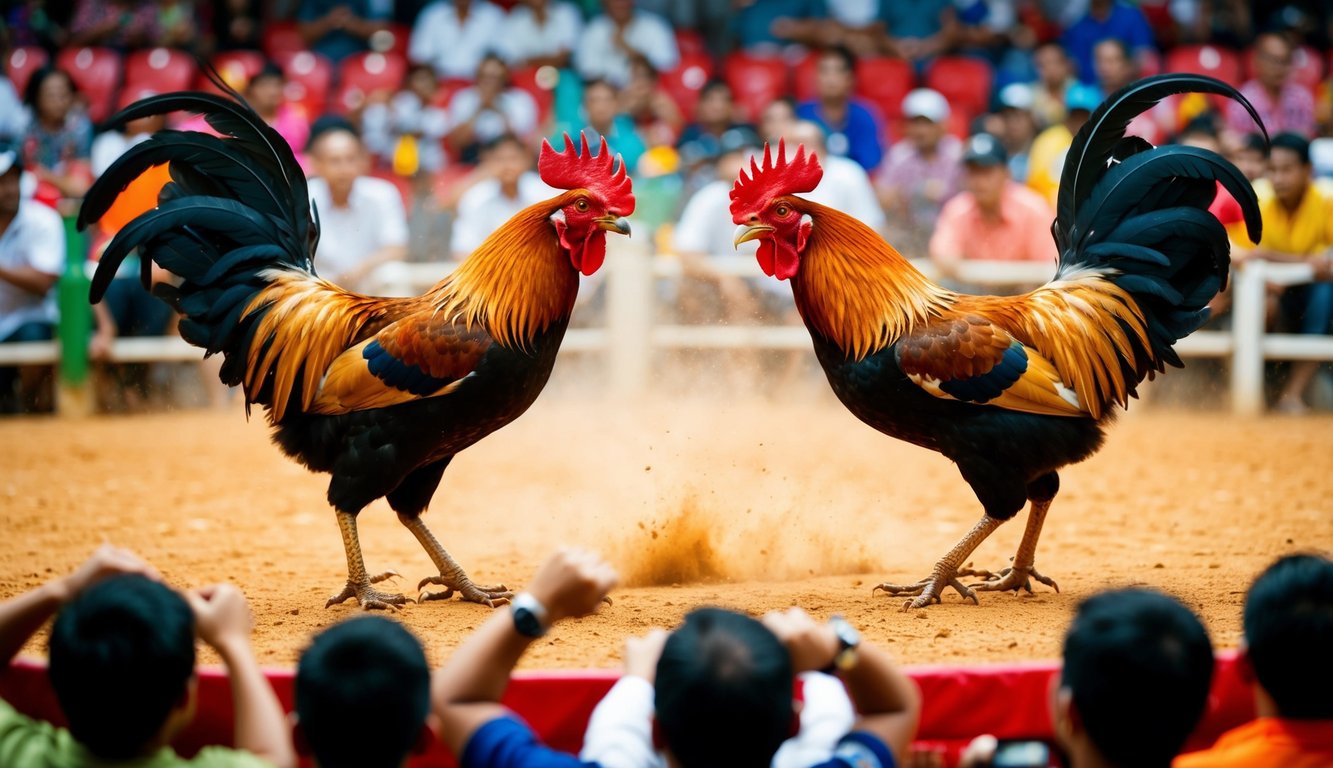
(529,615)
(849,640)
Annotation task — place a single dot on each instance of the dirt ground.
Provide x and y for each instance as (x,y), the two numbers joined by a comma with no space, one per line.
(753,505)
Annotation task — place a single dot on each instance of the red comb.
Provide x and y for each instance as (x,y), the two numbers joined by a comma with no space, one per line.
(773,179)
(584,170)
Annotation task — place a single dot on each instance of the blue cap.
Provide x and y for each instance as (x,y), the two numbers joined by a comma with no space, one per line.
(1082,96)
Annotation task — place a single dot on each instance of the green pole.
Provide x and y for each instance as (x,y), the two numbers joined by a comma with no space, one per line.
(75,325)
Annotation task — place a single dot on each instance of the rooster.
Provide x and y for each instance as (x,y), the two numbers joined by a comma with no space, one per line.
(1010,389)
(380,393)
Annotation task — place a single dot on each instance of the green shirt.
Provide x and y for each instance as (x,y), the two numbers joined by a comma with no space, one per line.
(36,744)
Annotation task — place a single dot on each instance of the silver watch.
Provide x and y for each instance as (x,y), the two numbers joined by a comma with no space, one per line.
(530,616)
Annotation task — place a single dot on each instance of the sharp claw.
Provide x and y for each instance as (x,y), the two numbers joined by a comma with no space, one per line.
(384,576)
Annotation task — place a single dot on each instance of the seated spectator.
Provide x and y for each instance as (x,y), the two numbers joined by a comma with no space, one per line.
(59,137)
(1054,76)
(602,118)
(993,218)
(1298,227)
(366,675)
(361,218)
(918,30)
(852,128)
(454,36)
(777,118)
(610,39)
(655,114)
(411,112)
(718,690)
(1017,127)
(846,185)
(1288,627)
(337,29)
(1251,157)
(714,115)
(764,27)
(540,33)
(122,655)
(1047,159)
(1284,106)
(266,93)
(922,169)
(503,184)
(1105,19)
(121,24)
(32,257)
(1115,70)
(490,109)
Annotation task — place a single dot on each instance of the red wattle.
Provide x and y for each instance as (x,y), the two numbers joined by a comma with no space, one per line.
(588,259)
(765,256)
(786,263)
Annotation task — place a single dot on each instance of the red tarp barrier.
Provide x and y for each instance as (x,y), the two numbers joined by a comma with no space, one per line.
(1009,701)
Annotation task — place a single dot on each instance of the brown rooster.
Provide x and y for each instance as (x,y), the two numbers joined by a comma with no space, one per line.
(380,393)
(1010,388)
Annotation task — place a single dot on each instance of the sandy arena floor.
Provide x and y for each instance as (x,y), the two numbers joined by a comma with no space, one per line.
(756,506)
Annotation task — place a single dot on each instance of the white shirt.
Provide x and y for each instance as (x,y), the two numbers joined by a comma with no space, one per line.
(597,55)
(847,188)
(515,104)
(483,209)
(373,219)
(36,239)
(455,49)
(382,125)
(13,116)
(522,38)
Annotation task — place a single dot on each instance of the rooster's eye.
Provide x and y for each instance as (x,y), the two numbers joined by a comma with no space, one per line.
(581,204)
(782,211)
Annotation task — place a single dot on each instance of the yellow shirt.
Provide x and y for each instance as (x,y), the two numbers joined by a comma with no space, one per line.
(1307,230)
(1046,160)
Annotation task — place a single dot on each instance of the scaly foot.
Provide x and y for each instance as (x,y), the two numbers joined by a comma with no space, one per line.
(491,596)
(1008,580)
(928,590)
(370,599)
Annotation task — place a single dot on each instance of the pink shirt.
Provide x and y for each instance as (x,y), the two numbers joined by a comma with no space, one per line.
(290,124)
(1021,233)
(1293,111)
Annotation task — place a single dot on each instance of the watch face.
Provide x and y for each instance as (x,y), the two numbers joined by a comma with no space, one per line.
(527,624)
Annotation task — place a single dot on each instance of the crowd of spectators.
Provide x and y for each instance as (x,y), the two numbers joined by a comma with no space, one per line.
(895,88)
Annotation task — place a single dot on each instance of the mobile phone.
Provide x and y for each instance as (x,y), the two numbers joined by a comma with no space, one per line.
(1021,754)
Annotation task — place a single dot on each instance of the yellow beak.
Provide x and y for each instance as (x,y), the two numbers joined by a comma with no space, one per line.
(612,224)
(750,232)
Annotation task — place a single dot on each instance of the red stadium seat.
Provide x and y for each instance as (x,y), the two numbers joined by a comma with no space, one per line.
(309,80)
(96,72)
(161,69)
(1307,66)
(365,74)
(22,62)
(965,82)
(235,67)
(539,83)
(684,82)
(690,42)
(280,38)
(884,82)
(1221,63)
(755,81)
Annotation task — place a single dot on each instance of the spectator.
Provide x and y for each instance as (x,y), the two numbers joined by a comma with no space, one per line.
(1117,69)
(764,27)
(59,137)
(655,114)
(1017,127)
(602,117)
(1055,74)
(453,37)
(1116,19)
(412,112)
(31,22)
(503,184)
(540,33)
(337,29)
(121,24)
(718,689)
(13,119)
(1288,627)
(853,130)
(361,218)
(1251,157)
(922,170)
(1047,161)
(994,217)
(238,25)
(366,675)
(776,118)
(611,39)
(491,108)
(1298,227)
(266,93)
(122,654)
(32,257)
(1284,106)
(918,30)
(714,115)
(176,24)
(846,185)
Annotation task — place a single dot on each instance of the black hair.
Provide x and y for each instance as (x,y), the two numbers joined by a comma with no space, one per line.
(34,87)
(362,693)
(1121,45)
(501,140)
(598,82)
(1295,143)
(1139,665)
(1289,631)
(268,70)
(724,691)
(122,655)
(844,53)
(326,124)
(714,84)
(1056,44)
(1255,142)
(1204,124)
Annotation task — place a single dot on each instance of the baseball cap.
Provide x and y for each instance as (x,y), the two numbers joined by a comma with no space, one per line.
(984,149)
(927,103)
(9,157)
(1082,96)
(1016,96)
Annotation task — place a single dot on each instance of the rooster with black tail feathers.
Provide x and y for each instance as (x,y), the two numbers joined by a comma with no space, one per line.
(1010,389)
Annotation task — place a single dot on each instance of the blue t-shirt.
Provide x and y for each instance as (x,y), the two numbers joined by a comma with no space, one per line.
(339,44)
(857,138)
(1125,22)
(507,742)
(752,24)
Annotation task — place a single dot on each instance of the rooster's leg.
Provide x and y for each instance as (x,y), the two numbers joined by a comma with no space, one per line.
(1021,573)
(945,573)
(452,577)
(358,581)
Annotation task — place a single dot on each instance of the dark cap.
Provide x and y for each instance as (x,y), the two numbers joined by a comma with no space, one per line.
(984,149)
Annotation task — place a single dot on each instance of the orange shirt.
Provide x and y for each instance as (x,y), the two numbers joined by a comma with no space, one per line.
(1021,233)
(1268,742)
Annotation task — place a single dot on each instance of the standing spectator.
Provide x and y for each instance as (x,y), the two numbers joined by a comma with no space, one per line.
(853,130)
(1117,69)
(1298,227)
(1055,73)
(454,36)
(540,33)
(609,40)
(59,137)
(503,184)
(1283,105)
(361,218)
(922,169)
(918,30)
(994,217)
(655,114)
(1288,625)
(602,117)
(121,24)
(409,113)
(765,26)
(1047,160)
(1107,19)
(488,110)
(337,29)
(32,257)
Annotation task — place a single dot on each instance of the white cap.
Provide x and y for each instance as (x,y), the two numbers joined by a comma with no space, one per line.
(1016,96)
(7,161)
(927,103)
